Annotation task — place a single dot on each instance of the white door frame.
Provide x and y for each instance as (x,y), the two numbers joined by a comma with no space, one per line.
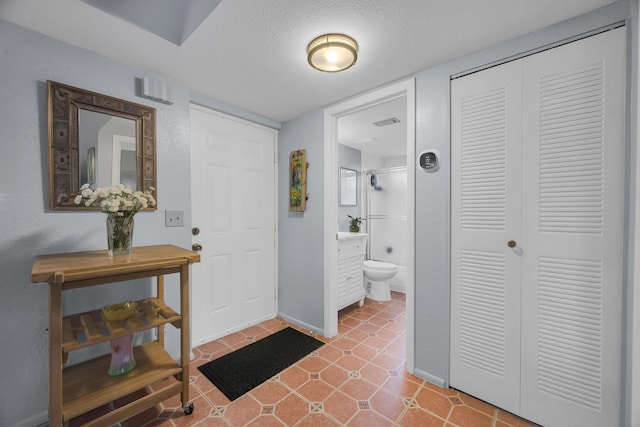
(405,88)
(120,143)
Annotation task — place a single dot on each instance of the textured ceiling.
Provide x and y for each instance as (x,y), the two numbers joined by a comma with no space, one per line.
(252,53)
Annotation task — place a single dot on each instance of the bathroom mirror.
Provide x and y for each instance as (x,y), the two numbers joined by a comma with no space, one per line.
(348,187)
(100,140)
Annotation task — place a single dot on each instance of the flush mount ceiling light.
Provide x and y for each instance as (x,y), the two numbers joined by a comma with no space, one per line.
(332,53)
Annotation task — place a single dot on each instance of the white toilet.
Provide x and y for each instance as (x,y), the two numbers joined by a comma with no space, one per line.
(378,274)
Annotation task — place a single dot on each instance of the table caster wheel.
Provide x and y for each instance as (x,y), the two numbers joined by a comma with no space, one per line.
(188,408)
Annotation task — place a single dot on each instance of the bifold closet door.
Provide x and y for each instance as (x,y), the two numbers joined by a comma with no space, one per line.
(573,169)
(486,213)
(537,221)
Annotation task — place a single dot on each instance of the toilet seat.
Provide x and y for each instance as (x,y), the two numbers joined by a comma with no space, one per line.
(377,274)
(379,265)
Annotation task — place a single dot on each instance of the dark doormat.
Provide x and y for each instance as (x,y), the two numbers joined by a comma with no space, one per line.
(236,373)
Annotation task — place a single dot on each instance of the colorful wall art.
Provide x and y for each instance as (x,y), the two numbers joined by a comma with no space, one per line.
(298,180)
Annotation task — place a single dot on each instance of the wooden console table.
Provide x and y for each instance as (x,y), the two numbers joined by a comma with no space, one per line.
(80,388)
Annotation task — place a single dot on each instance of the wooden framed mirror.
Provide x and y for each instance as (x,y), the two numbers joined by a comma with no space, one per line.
(87,132)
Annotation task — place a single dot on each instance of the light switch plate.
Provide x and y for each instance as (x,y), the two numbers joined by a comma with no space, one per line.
(174,218)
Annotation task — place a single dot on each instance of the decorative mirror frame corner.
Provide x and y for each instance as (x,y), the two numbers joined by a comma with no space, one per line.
(63,105)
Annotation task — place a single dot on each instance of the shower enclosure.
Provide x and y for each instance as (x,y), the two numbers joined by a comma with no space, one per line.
(386,220)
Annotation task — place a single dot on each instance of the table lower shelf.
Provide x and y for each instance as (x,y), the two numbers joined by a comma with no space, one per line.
(87,386)
(90,328)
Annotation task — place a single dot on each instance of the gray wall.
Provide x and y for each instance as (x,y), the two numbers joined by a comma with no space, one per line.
(28,229)
(432,190)
(300,234)
(350,158)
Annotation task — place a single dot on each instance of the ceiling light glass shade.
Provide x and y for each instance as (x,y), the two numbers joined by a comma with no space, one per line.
(332,53)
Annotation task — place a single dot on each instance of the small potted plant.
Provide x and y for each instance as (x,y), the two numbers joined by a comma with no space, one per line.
(354,224)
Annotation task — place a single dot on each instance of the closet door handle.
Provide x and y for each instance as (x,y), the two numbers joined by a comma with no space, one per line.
(511,243)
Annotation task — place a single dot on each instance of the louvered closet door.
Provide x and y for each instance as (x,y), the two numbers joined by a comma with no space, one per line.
(573,170)
(486,201)
(536,329)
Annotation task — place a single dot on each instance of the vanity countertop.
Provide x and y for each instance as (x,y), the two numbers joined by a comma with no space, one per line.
(346,235)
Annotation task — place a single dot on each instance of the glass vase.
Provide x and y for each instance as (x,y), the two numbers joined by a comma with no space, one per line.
(122,360)
(119,235)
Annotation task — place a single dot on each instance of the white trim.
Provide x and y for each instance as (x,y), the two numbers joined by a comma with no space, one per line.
(407,89)
(233,118)
(539,49)
(238,328)
(633,289)
(300,323)
(440,382)
(630,406)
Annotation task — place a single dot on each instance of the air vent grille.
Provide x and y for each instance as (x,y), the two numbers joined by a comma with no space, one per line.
(387,122)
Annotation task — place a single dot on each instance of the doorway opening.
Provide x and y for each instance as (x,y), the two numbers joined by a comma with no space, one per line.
(406,91)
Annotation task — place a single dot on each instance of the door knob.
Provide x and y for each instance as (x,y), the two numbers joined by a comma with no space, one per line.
(196,247)
(511,243)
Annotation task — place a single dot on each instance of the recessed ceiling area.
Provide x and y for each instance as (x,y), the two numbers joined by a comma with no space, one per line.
(173,20)
(252,54)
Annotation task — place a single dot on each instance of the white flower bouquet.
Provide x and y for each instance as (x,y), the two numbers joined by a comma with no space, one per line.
(120,203)
(118,200)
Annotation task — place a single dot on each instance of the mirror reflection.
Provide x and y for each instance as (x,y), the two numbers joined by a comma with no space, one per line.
(107,150)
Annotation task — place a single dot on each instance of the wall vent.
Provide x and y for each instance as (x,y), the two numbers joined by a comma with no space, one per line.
(156,90)
(387,122)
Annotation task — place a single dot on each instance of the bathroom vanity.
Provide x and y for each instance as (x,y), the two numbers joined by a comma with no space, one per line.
(352,249)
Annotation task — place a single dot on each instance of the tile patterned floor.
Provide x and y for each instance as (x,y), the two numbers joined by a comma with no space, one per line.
(356,379)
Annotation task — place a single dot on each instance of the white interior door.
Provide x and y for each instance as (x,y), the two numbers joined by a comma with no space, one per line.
(233,206)
(486,202)
(542,319)
(573,164)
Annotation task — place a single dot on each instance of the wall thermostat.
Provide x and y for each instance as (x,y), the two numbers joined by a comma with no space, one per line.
(429,160)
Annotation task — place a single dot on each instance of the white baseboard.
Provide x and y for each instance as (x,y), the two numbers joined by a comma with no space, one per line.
(232,330)
(302,324)
(440,382)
